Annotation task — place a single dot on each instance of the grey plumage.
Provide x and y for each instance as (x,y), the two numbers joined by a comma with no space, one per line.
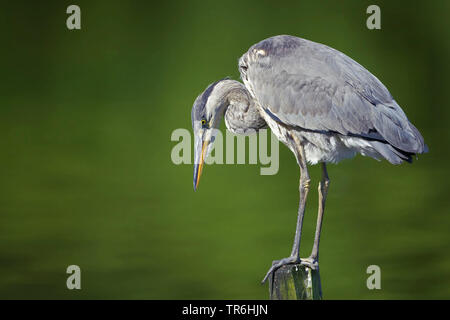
(198,111)
(319,102)
(312,86)
(242,117)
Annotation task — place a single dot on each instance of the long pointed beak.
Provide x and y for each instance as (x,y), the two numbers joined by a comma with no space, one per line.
(198,167)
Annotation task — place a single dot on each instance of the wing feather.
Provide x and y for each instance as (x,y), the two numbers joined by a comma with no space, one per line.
(309,85)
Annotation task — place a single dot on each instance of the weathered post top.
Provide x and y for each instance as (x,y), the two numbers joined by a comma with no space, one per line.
(295,282)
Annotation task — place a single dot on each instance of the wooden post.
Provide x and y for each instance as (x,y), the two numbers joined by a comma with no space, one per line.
(295,282)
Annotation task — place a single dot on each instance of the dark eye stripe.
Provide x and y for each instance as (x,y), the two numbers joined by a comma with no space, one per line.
(208,91)
(198,110)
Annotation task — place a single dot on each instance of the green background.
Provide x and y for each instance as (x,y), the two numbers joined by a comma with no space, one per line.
(86,174)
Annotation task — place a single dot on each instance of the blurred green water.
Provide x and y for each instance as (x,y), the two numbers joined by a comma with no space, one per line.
(85,122)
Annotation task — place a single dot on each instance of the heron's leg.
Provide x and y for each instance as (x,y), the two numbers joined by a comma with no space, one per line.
(304,188)
(323,191)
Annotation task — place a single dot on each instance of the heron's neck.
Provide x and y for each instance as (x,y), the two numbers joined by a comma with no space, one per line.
(237,108)
(229,92)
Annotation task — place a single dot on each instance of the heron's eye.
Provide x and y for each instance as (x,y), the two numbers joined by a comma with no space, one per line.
(203,122)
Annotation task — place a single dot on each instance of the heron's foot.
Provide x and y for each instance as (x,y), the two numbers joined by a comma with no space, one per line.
(276,264)
(310,262)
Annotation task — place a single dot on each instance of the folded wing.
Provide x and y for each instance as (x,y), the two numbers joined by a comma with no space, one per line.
(309,85)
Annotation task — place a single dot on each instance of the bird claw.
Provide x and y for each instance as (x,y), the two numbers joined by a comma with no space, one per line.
(276,264)
(311,263)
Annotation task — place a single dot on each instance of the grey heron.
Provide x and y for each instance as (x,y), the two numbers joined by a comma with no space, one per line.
(320,103)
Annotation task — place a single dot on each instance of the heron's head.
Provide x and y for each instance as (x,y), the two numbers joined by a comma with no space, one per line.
(206,115)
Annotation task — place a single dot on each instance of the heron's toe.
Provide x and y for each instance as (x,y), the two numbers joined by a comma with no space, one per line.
(310,262)
(276,264)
